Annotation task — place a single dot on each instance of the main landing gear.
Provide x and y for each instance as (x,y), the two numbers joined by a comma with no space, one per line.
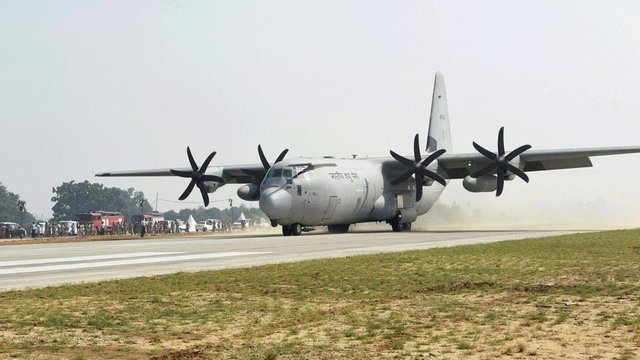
(294,229)
(399,226)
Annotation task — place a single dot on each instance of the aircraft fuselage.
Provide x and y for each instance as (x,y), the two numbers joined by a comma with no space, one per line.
(328,191)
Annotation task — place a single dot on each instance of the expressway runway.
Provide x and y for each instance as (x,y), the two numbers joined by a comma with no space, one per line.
(37,265)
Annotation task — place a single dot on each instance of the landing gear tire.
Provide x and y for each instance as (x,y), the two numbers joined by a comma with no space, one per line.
(286,230)
(398,226)
(338,229)
(296,229)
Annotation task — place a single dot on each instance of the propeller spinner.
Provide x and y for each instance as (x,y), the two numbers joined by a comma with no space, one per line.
(198,177)
(500,162)
(418,167)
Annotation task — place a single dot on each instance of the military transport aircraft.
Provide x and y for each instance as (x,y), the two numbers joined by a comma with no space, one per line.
(303,192)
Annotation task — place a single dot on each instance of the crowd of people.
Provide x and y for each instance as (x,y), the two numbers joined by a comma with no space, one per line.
(64,228)
(75,228)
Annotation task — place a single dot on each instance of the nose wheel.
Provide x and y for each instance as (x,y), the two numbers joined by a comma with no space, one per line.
(294,229)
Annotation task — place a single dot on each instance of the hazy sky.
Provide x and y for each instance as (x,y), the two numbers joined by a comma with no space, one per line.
(88,86)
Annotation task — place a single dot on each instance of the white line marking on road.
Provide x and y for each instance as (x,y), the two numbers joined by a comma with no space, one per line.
(82,258)
(152,260)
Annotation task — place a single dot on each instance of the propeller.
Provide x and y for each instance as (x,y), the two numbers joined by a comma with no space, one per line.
(265,163)
(198,177)
(500,162)
(418,167)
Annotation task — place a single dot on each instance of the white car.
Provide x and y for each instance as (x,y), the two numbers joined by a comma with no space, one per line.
(70,226)
(182,226)
(209,225)
(204,226)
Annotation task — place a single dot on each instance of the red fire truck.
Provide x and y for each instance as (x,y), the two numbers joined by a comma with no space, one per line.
(102,221)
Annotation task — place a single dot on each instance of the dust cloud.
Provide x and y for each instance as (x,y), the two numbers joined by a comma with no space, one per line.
(595,215)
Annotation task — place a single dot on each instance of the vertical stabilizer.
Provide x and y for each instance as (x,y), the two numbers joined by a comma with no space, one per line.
(439,136)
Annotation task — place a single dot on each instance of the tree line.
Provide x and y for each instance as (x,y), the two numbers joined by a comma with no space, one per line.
(9,208)
(72,198)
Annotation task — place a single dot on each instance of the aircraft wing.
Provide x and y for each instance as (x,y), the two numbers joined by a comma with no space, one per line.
(232,174)
(458,166)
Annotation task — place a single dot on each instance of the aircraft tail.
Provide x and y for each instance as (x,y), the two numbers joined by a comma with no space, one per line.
(439,136)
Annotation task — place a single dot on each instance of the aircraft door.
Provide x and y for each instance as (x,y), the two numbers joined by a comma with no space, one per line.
(333,203)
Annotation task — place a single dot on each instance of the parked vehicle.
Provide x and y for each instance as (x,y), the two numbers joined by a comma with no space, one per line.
(102,221)
(180,225)
(203,226)
(70,226)
(42,226)
(209,225)
(10,230)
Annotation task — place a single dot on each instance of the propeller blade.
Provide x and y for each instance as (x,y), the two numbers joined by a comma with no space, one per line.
(486,171)
(518,172)
(500,182)
(430,174)
(205,165)
(432,157)
(402,178)
(186,174)
(515,153)
(188,190)
(194,166)
(401,159)
(281,156)
(416,148)
(263,159)
(501,162)
(486,153)
(205,196)
(418,188)
(501,142)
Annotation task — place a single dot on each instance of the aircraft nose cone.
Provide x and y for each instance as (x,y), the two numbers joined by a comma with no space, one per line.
(276,203)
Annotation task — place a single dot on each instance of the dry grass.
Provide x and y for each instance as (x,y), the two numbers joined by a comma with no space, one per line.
(572,297)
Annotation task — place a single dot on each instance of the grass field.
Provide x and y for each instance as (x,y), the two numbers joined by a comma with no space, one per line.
(573,297)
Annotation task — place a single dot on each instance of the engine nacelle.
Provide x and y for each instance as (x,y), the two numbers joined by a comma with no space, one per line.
(487,183)
(249,192)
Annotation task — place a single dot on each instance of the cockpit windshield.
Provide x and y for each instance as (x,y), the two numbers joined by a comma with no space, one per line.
(279,176)
(286,173)
(276,173)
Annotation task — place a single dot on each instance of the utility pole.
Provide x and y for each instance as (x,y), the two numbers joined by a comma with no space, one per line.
(22,206)
(156,202)
(142,224)
(231,207)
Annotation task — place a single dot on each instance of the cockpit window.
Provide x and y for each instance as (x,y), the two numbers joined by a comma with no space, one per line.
(276,173)
(288,173)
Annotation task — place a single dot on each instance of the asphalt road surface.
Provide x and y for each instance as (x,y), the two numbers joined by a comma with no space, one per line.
(24,266)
